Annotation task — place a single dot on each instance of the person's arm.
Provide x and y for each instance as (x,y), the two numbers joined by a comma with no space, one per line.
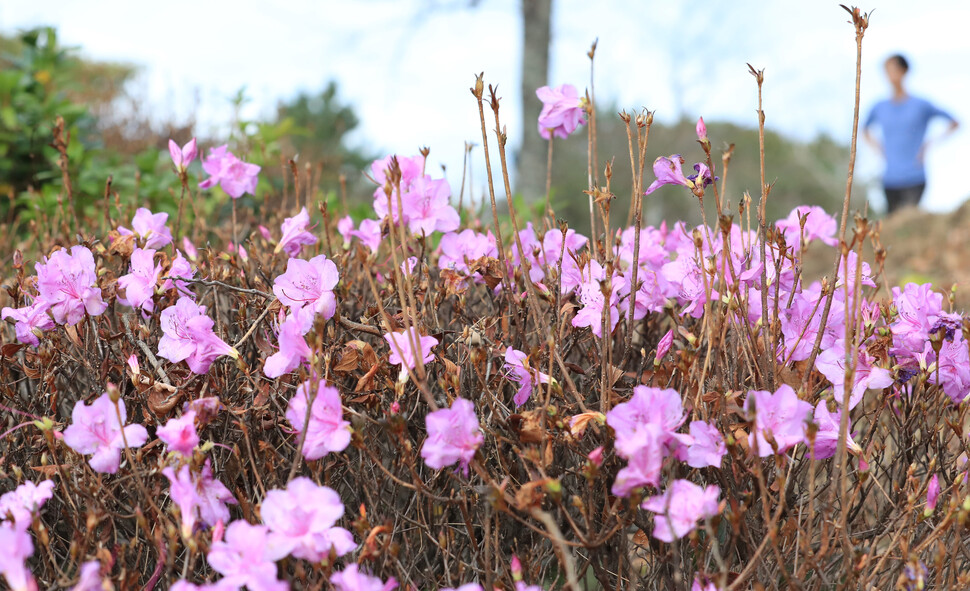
(954,125)
(867,134)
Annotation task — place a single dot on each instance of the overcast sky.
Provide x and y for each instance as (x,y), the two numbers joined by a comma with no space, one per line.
(406,65)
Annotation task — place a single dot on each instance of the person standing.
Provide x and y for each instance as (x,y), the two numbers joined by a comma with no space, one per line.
(903,120)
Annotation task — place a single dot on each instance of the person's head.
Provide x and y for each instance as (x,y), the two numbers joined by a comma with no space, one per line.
(896,68)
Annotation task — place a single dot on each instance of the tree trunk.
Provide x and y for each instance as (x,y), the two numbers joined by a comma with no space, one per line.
(530,162)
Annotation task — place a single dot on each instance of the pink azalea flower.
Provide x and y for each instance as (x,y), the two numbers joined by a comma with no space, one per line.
(818,226)
(182,157)
(706,447)
(401,344)
(369,232)
(680,507)
(90,579)
(69,283)
(242,558)
(179,434)
(460,248)
(31,321)
(345,227)
(688,284)
(591,314)
(781,415)
(853,262)
(562,110)
(518,370)
(326,431)
(596,456)
(21,503)
(205,409)
(306,288)
(932,493)
(702,583)
(701,129)
(351,579)
(190,250)
(199,497)
(295,234)
(831,363)
(301,522)
(150,227)
(643,449)
(669,171)
(180,267)
(17,548)
(411,169)
(232,174)
(465,587)
(827,436)
(293,349)
(188,336)
(953,363)
(664,345)
(453,436)
(427,209)
(95,429)
(139,284)
(661,407)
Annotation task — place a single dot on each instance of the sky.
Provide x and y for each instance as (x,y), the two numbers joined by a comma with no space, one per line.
(406,65)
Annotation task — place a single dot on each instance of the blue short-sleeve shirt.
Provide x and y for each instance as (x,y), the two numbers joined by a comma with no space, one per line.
(903,125)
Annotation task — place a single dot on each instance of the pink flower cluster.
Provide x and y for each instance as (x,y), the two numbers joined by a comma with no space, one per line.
(453,436)
(229,172)
(425,201)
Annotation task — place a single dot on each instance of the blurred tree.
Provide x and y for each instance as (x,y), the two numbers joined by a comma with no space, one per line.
(318,126)
(530,161)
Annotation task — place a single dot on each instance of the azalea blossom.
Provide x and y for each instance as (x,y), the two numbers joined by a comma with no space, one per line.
(369,233)
(326,430)
(453,436)
(68,282)
(150,227)
(818,226)
(232,174)
(932,493)
(293,349)
(780,415)
(17,548)
(188,336)
(90,579)
(702,583)
(20,504)
(200,497)
(182,157)
(96,430)
(411,169)
(680,507)
(242,558)
(182,269)
(427,209)
(351,579)
(663,346)
(460,248)
(593,300)
(345,227)
(295,234)
(831,363)
(518,370)
(643,449)
(31,321)
(401,344)
(562,110)
(669,171)
(139,284)
(706,447)
(179,434)
(827,435)
(301,521)
(306,289)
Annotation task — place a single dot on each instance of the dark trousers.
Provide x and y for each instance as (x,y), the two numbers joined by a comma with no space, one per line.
(898,197)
